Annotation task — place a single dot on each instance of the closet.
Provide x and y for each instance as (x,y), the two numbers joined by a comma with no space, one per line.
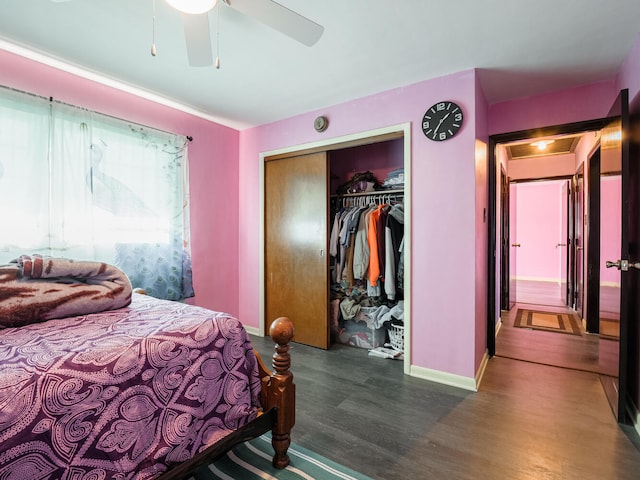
(302,194)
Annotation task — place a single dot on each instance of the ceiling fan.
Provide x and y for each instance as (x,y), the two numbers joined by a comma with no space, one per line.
(195,20)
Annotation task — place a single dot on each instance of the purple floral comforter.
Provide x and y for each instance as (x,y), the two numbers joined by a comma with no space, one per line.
(121,394)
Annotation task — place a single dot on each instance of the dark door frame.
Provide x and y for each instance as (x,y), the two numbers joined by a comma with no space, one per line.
(569,240)
(579,253)
(494,140)
(505,293)
(507,259)
(593,244)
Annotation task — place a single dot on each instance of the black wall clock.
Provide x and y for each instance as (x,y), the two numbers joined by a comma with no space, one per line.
(442,121)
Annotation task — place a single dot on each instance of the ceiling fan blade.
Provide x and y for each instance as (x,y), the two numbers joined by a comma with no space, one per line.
(280,18)
(198,39)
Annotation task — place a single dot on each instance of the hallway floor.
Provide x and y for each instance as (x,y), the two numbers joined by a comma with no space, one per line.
(539,293)
(579,352)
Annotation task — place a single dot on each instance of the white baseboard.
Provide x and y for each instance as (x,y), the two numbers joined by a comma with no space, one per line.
(481,369)
(466,383)
(540,279)
(254,331)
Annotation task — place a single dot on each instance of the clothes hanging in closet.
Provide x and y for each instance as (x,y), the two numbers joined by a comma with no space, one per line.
(365,245)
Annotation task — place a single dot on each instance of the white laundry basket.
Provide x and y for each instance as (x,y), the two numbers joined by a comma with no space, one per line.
(396,337)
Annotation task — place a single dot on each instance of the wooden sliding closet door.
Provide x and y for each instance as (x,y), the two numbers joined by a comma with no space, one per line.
(296,256)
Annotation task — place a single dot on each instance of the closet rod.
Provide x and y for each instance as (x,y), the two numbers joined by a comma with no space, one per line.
(367,194)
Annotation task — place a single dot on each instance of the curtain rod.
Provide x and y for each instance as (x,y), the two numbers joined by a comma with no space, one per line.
(51,99)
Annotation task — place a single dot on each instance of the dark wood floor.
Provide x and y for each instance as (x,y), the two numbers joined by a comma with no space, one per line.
(529,420)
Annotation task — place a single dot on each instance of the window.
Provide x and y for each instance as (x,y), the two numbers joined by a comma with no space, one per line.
(78,184)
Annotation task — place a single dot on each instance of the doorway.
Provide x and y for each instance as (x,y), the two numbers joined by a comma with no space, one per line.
(615,129)
(542,255)
(566,351)
(495,160)
(541,236)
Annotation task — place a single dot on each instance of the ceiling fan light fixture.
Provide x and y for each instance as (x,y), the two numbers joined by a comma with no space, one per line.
(194,7)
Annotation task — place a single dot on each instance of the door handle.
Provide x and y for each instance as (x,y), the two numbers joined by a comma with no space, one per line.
(561,245)
(515,244)
(578,248)
(623,265)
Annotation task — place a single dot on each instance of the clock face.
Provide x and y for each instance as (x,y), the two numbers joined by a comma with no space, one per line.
(442,121)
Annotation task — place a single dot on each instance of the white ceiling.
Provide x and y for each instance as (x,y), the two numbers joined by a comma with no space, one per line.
(521,48)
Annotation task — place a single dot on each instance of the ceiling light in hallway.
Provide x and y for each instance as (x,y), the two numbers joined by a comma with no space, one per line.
(542,144)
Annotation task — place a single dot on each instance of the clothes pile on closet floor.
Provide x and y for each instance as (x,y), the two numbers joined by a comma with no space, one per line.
(364,326)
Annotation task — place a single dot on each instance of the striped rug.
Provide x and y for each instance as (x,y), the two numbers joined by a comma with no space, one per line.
(252,460)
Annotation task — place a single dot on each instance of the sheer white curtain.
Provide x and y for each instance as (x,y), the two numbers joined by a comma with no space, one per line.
(83,185)
(24,182)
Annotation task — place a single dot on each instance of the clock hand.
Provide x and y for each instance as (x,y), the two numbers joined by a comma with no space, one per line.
(440,122)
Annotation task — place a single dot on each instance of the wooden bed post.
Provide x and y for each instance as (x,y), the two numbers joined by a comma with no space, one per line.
(278,402)
(279,391)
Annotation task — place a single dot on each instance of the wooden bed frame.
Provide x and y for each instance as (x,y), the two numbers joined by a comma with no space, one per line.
(278,400)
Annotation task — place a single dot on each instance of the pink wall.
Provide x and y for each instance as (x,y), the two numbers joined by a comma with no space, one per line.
(541,167)
(610,227)
(564,106)
(584,148)
(443,211)
(538,230)
(481,154)
(212,160)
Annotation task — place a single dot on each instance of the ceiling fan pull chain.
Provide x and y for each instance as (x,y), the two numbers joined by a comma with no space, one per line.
(218,35)
(153,31)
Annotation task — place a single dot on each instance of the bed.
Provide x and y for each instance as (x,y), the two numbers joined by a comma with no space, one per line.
(150,390)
